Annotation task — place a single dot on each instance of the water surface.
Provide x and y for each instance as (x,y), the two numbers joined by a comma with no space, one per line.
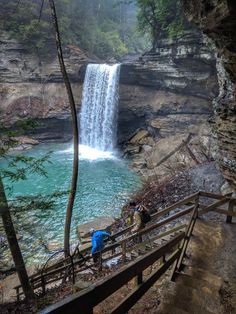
(105,185)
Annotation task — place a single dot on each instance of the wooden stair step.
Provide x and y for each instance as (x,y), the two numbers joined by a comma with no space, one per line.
(134,254)
(141,252)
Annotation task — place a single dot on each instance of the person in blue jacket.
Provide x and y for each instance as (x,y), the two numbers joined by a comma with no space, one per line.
(98,243)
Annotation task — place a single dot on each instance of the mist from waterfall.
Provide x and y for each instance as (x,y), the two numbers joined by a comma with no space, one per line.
(98,118)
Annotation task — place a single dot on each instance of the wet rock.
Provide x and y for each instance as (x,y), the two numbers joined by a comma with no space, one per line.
(24,142)
(54,246)
(100,223)
(138,136)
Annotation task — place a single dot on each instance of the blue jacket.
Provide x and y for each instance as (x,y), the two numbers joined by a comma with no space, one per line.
(97,240)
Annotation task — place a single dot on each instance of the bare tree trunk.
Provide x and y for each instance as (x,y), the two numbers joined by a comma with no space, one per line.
(13,244)
(75,132)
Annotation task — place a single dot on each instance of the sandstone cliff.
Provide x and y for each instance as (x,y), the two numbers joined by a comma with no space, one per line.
(218,20)
(168,94)
(33,88)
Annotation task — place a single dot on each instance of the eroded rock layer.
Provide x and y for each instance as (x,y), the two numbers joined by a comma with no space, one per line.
(217,18)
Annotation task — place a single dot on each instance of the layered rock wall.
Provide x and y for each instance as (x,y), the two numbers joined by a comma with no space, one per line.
(217,18)
(167,93)
(33,88)
(175,82)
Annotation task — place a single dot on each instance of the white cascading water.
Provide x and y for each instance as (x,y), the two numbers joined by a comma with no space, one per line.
(98,118)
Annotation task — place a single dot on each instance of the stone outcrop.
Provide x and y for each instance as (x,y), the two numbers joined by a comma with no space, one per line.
(185,65)
(217,19)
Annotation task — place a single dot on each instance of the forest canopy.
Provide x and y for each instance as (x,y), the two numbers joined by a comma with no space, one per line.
(105,28)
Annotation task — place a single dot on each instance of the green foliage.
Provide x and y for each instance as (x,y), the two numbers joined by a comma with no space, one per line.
(36,202)
(8,138)
(160,18)
(105,28)
(28,165)
(21,20)
(19,166)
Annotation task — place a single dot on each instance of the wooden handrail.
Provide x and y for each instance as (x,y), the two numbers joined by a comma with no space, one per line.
(60,267)
(215,195)
(84,301)
(135,295)
(214,205)
(220,210)
(185,201)
(98,292)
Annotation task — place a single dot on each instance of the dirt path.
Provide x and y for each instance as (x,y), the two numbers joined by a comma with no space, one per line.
(211,264)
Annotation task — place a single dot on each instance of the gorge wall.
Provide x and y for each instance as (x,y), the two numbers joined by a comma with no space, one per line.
(217,18)
(168,95)
(164,95)
(31,87)
(178,79)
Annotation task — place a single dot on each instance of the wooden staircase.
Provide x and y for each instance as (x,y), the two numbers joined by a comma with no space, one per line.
(196,289)
(196,272)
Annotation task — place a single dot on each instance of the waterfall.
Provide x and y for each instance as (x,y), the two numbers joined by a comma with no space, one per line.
(98,118)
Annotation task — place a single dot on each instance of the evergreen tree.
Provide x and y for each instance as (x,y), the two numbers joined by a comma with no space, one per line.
(160,18)
(18,167)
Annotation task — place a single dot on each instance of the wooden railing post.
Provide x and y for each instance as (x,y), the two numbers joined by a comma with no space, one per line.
(230,208)
(43,284)
(123,246)
(186,239)
(163,259)
(100,261)
(139,279)
(18,294)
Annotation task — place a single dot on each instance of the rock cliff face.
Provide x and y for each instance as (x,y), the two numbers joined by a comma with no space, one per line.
(167,93)
(217,18)
(170,88)
(33,88)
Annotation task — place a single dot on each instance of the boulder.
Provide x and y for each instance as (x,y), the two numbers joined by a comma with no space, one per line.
(100,223)
(138,136)
(139,164)
(26,140)
(227,188)
(132,150)
(85,246)
(148,141)
(54,246)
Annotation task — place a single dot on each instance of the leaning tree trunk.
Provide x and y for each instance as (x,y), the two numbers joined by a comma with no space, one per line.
(13,244)
(75,131)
